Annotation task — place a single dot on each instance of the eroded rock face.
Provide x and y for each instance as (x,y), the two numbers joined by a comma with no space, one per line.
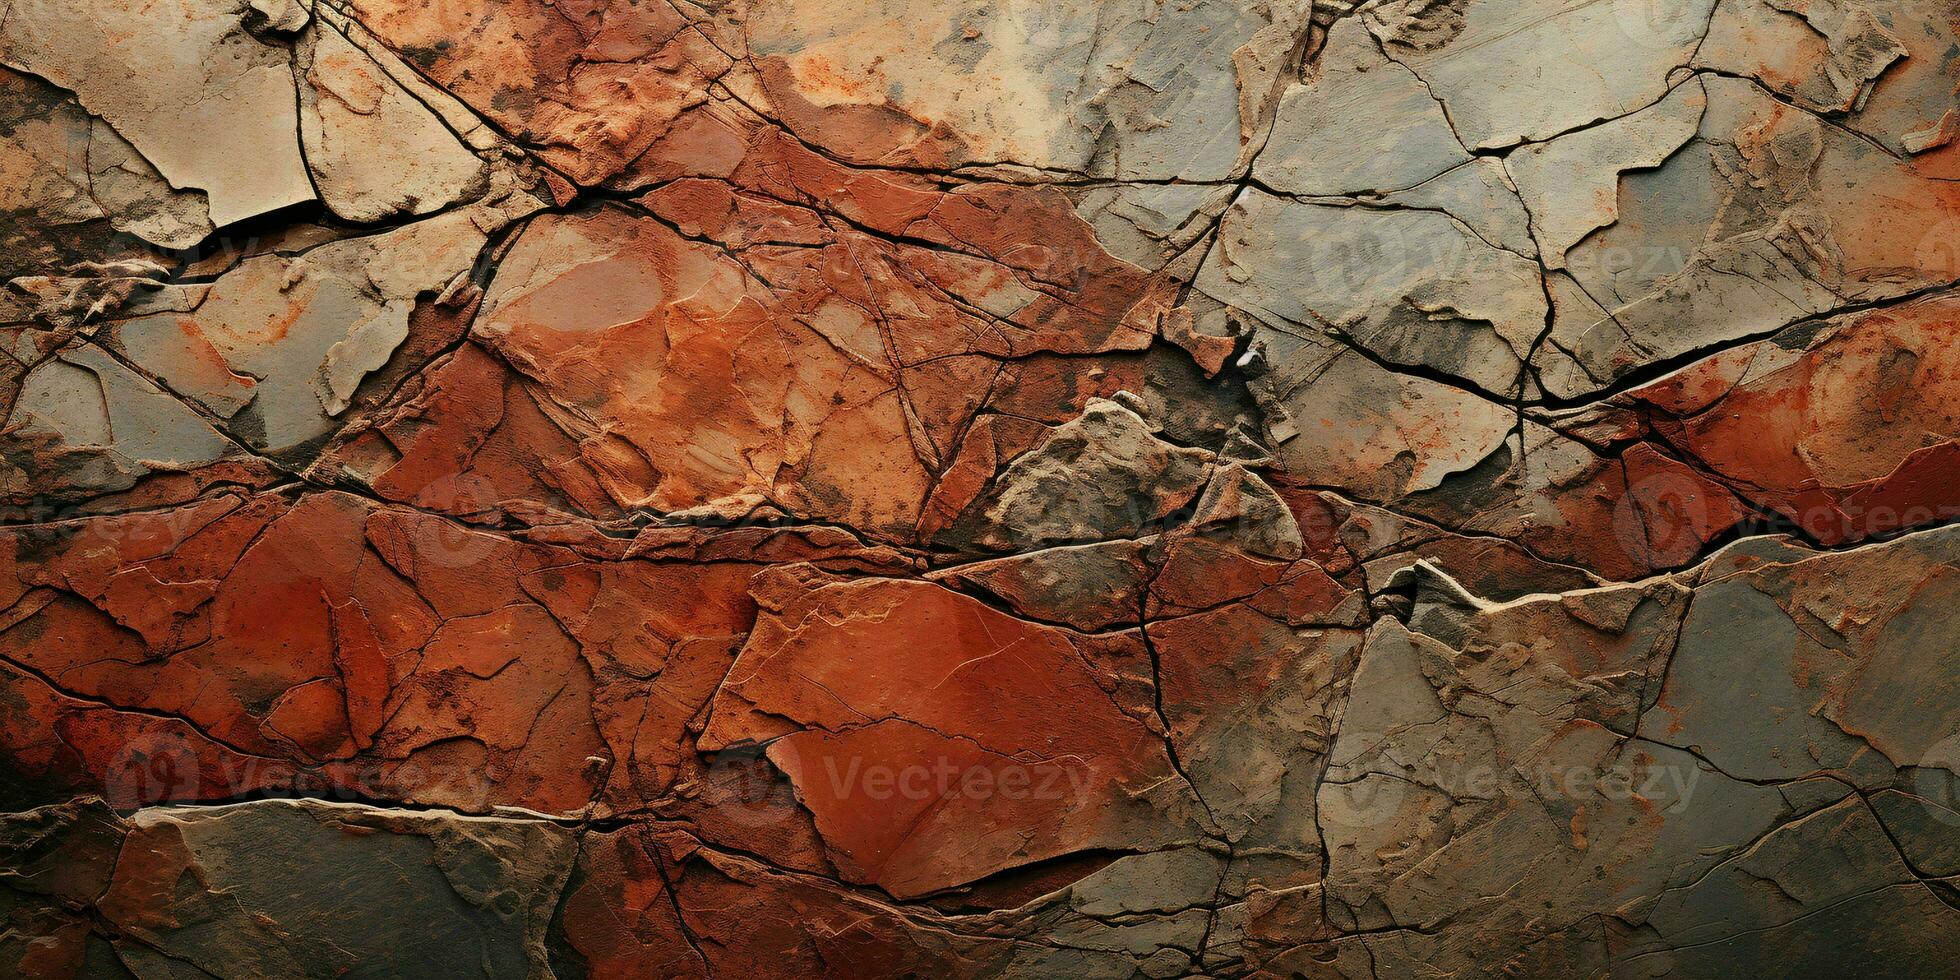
(1361,488)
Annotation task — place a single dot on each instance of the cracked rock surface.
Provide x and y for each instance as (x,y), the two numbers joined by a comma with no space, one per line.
(1092,488)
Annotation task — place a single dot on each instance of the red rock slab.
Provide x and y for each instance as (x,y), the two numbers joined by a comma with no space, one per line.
(62,746)
(1671,511)
(589,86)
(870,692)
(472,439)
(680,357)
(621,363)
(1018,254)
(1851,435)
(1252,705)
(410,657)
(889,797)
(619,914)
(1196,574)
(759,921)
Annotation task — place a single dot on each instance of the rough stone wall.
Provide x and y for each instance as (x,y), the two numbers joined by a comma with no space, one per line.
(982,488)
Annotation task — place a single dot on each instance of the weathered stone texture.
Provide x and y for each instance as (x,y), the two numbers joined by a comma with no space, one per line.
(1079,488)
